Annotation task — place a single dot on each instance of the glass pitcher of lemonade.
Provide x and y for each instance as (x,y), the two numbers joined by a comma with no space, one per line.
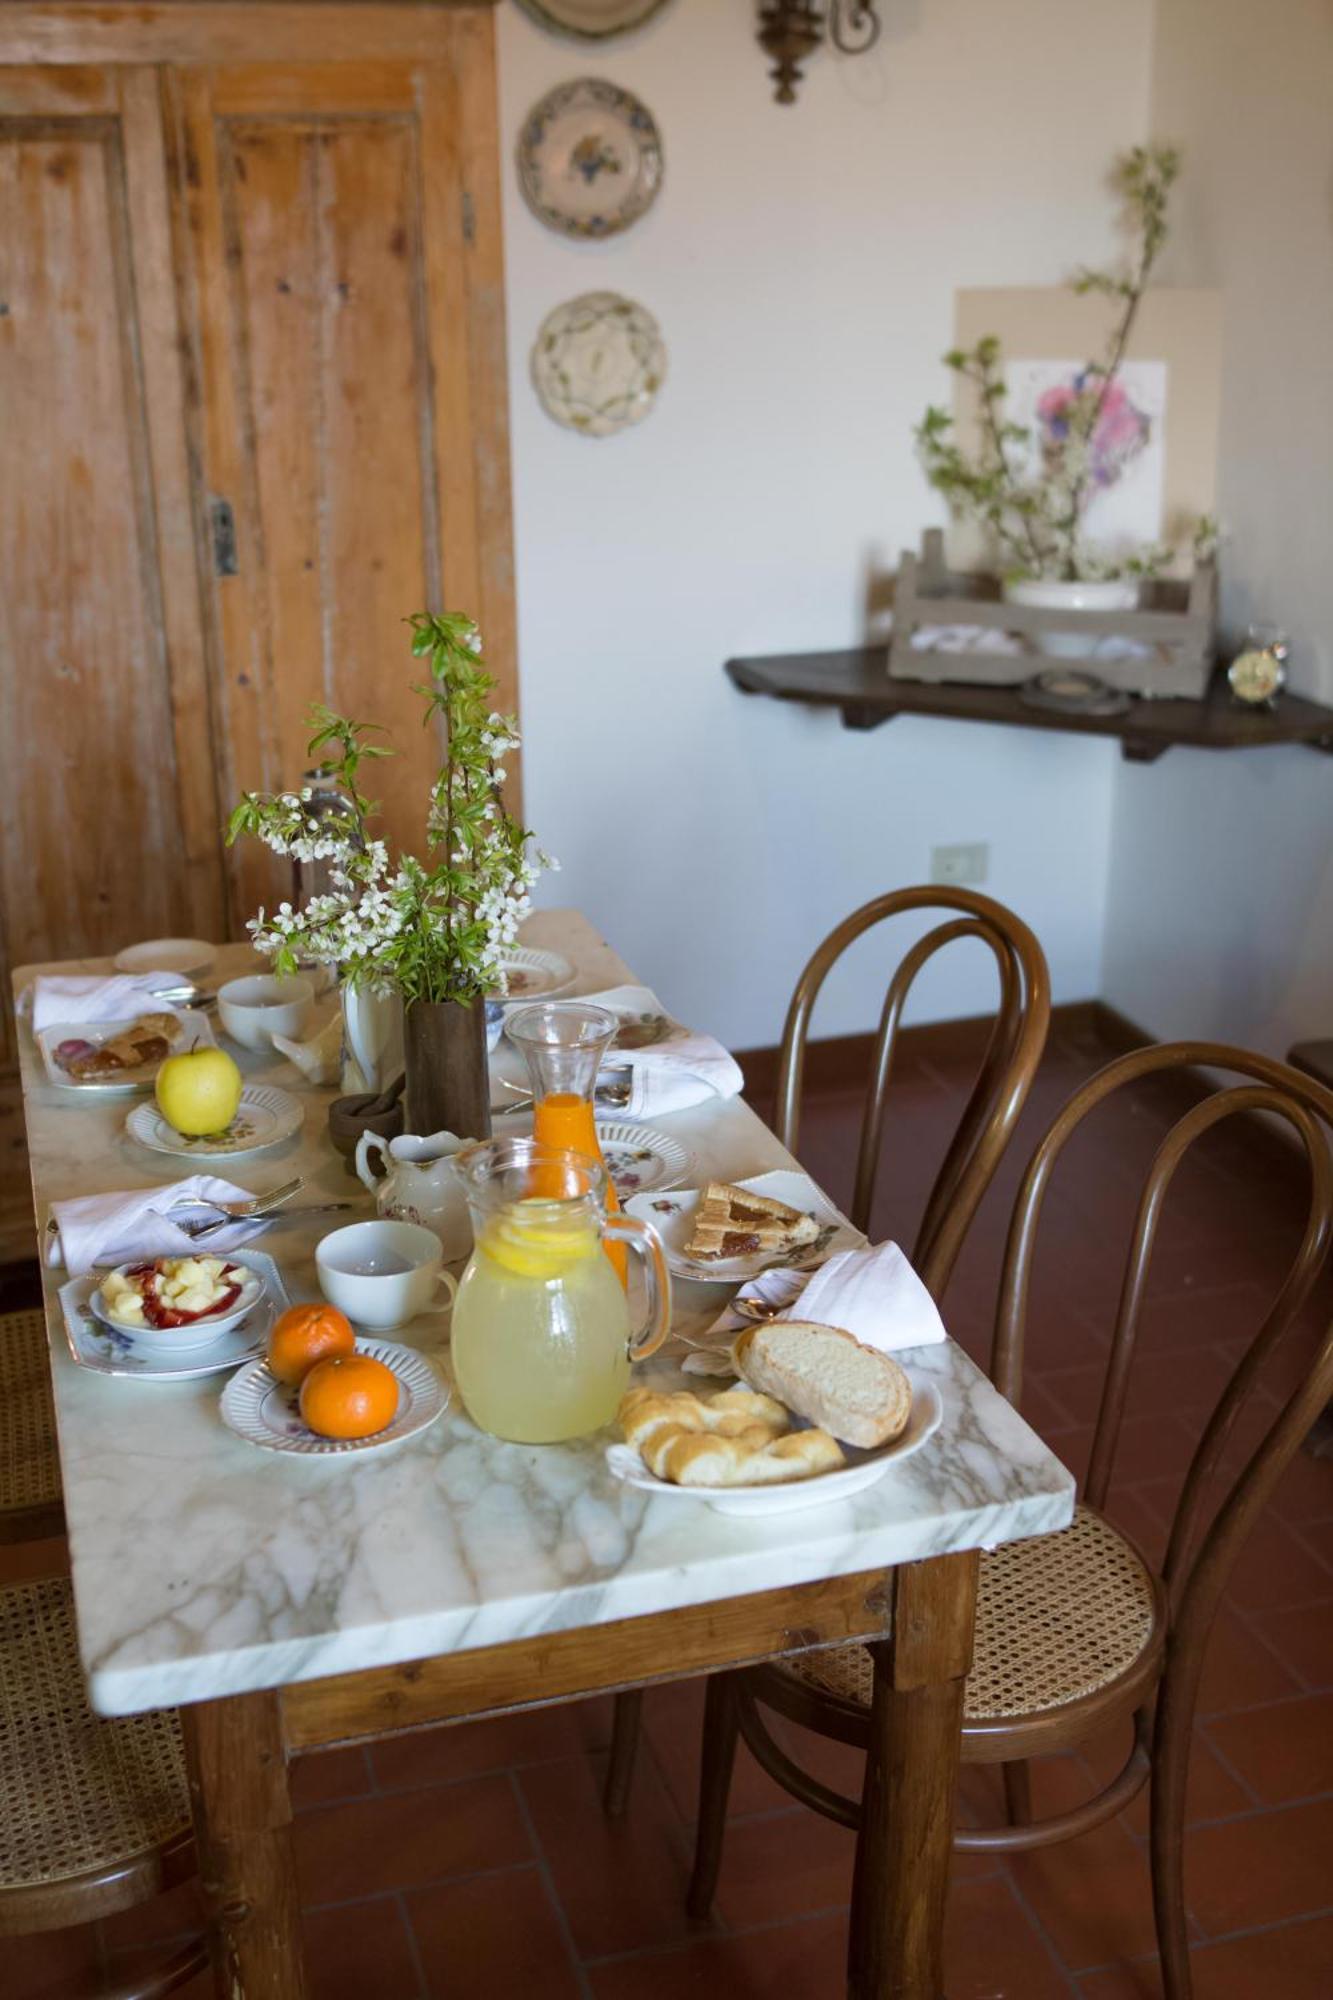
(542,1338)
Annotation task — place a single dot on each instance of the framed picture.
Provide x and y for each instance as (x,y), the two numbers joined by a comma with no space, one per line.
(1154,459)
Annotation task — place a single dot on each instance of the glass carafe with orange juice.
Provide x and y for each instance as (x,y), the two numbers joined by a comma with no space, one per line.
(563,1043)
(541,1340)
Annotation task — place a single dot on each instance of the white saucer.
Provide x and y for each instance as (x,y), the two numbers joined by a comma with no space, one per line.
(186,956)
(263,1411)
(264,1117)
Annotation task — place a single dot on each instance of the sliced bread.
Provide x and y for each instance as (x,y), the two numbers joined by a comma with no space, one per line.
(827,1376)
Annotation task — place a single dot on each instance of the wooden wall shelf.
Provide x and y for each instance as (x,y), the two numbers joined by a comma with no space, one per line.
(857,683)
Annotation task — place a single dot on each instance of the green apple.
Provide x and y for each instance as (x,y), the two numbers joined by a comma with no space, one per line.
(198,1092)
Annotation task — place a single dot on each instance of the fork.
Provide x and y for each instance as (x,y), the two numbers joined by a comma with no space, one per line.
(257,1204)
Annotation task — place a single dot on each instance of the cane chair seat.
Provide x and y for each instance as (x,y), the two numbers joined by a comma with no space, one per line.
(29,1462)
(1058,1618)
(78,1794)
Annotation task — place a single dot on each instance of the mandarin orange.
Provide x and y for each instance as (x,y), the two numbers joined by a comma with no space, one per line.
(349,1396)
(304,1335)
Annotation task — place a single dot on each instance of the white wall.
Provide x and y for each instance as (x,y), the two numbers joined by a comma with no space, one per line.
(1220,916)
(802,262)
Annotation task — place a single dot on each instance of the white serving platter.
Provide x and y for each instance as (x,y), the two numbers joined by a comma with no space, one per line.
(863,1468)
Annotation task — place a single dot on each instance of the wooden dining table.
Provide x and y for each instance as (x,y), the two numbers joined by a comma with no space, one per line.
(285,1604)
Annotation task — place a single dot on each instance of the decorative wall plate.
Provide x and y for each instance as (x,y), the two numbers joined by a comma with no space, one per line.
(589,158)
(592,20)
(598,363)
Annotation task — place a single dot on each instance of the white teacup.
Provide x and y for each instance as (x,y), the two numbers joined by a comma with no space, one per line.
(382,1274)
(255,1009)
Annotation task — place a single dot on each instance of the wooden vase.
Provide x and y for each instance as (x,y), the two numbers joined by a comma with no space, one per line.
(448,1083)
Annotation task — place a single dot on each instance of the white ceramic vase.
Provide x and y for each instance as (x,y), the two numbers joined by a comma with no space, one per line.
(372,1039)
(1052,594)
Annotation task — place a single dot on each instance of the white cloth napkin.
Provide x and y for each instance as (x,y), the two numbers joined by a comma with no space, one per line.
(874,1294)
(118,996)
(144,1222)
(670,1075)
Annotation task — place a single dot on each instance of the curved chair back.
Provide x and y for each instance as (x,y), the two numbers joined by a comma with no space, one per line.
(1218,1505)
(1003,1080)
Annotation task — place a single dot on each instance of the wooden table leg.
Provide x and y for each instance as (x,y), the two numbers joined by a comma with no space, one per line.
(237,1764)
(901,1880)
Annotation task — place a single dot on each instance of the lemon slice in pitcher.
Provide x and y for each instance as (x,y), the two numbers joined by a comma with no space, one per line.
(533,1248)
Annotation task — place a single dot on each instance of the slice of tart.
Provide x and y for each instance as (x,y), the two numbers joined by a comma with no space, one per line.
(736,1222)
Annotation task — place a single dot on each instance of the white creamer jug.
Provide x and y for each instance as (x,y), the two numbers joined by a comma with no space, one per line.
(419,1185)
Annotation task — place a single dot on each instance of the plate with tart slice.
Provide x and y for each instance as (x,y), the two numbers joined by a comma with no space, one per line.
(729,1231)
(119,1055)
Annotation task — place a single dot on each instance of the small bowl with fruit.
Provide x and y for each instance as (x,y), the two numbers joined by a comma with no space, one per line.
(177,1303)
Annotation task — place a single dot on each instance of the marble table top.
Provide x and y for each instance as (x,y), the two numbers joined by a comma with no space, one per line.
(203,1567)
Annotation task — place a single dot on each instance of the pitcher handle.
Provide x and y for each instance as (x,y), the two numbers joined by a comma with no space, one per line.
(365,1146)
(644,1240)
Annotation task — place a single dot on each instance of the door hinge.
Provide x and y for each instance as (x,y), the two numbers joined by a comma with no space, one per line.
(469,218)
(222,523)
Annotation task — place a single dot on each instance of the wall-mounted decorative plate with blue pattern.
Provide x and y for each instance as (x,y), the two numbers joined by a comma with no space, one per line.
(592,20)
(590,158)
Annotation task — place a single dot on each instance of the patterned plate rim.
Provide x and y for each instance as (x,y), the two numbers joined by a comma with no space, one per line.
(537,958)
(262,1094)
(677,1159)
(201,1037)
(242,1400)
(274,1299)
(737,1270)
(592,93)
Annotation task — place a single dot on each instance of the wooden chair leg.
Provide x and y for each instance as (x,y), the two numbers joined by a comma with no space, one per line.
(718,1758)
(1017,1794)
(625,1728)
(1170,1774)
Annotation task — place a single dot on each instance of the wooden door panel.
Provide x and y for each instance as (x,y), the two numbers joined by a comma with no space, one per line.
(87,759)
(347,410)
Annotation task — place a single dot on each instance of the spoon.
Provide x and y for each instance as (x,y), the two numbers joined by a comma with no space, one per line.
(758,1309)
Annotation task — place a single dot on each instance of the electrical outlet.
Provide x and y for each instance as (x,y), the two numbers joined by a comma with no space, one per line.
(964,866)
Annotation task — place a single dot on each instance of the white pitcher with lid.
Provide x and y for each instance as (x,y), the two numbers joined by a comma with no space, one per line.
(417,1183)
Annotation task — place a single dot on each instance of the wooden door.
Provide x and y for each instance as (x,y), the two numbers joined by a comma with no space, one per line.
(341,235)
(108,811)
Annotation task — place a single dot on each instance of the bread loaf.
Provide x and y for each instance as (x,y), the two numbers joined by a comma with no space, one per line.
(739,1438)
(828,1377)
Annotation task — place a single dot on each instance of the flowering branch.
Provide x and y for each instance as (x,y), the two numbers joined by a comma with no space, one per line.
(436,929)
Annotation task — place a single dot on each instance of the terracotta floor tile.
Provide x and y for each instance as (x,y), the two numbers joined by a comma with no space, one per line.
(1305,1491)
(370,1846)
(794,1961)
(1239,1670)
(1303,1637)
(360,1949)
(1284,1752)
(325,1776)
(1290,1962)
(1276,1569)
(784,1864)
(673,1727)
(494,1937)
(467,1750)
(993,1950)
(621,1882)
(1266,1869)
(42,1965)
(1093,1895)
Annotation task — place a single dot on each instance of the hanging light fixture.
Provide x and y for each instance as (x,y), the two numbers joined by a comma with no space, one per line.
(791,30)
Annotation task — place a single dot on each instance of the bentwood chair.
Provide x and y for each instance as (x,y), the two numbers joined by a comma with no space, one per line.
(1076,1631)
(94,1814)
(1008,1066)
(30,1503)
